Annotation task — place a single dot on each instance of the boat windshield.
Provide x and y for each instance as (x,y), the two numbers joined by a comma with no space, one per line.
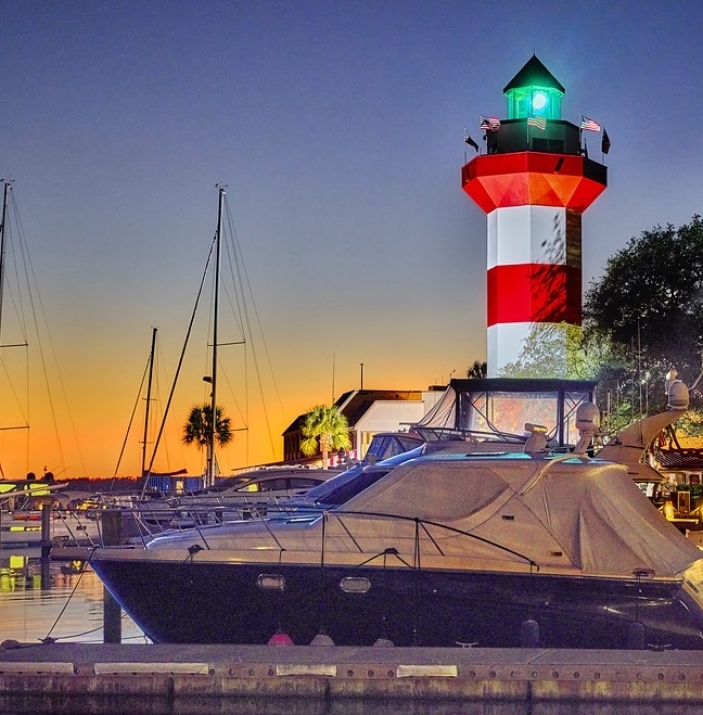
(344,486)
(503,406)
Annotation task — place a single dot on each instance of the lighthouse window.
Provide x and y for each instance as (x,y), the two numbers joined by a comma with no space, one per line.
(552,146)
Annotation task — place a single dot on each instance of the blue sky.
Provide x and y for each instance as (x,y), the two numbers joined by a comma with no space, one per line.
(338,128)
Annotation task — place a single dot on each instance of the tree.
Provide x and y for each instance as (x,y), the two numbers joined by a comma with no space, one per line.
(649,301)
(552,350)
(198,428)
(648,307)
(478,370)
(325,428)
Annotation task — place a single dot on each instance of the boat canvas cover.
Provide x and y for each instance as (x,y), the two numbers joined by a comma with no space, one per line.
(443,414)
(590,510)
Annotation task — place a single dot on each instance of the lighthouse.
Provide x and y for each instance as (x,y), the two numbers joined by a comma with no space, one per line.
(534,180)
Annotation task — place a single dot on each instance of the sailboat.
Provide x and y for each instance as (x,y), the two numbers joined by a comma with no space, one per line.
(32,510)
(149,478)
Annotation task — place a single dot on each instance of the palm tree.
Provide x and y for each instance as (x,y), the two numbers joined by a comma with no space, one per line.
(477,371)
(329,426)
(198,428)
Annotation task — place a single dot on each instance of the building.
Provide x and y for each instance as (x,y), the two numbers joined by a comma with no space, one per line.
(369,412)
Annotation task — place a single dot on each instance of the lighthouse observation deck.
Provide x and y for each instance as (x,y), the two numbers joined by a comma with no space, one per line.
(527,165)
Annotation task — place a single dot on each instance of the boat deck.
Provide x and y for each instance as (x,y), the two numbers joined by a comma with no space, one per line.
(179,678)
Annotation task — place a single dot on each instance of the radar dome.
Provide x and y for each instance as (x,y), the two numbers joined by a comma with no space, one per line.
(587,418)
(677,394)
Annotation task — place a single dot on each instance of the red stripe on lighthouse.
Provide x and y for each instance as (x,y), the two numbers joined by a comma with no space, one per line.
(534,292)
(518,179)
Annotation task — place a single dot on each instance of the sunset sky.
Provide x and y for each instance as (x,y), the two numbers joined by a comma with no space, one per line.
(338,129)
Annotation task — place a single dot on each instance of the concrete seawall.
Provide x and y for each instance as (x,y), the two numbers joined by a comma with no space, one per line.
(145,679)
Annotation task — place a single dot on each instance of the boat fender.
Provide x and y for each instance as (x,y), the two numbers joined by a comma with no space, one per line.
(635,636)
(383,643)
(280,638)
(529,634)
(322,639)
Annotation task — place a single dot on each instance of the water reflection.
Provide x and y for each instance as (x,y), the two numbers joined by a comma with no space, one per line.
(42,599)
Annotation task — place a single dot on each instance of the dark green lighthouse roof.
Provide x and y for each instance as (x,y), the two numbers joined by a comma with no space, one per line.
(534,74)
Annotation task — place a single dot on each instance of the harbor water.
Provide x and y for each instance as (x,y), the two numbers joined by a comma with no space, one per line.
(41,600)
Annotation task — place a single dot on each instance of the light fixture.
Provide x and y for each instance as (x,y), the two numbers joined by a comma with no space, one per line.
(539,100)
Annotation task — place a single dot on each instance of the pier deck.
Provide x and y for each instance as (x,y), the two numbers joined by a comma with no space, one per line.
(77,677)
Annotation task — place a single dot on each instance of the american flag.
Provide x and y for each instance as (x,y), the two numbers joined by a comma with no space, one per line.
(491,124)
(589,124)
(539,122)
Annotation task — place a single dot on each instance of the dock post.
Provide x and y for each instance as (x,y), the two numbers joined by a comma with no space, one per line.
(45,541)
(112,612)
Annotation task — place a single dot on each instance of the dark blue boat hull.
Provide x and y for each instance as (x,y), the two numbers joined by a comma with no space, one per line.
(201,602)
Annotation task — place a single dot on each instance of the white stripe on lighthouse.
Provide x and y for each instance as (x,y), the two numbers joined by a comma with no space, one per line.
(526,234)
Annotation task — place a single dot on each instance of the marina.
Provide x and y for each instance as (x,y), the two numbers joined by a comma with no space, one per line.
(485,539)
(519,559)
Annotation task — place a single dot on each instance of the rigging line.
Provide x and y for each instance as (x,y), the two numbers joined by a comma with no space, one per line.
(15,396)
(29,271)
(242,410)
(131,420)
(180,363)
(246,282)
(31,279)
(68,600)
(52,349)
(158,402)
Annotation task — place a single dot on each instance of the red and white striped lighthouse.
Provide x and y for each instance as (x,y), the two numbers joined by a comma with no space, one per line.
(534,182)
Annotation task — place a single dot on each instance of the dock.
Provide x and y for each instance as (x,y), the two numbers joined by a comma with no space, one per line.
(149,679)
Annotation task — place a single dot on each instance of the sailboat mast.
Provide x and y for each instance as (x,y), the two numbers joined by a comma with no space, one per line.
(210,474)
(2,242)
(148,400)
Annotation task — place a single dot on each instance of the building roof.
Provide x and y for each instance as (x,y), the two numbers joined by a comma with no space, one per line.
(534,73)
(680,460)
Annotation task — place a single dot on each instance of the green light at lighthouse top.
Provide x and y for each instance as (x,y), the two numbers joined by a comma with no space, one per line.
(534,91)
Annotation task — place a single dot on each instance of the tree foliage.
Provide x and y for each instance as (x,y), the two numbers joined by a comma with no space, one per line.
(650,298)
(648,307)
(478,370)
(324,428)
(552,350)
(198,427)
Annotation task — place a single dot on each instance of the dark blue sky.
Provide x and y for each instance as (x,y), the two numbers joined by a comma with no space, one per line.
(338,128)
